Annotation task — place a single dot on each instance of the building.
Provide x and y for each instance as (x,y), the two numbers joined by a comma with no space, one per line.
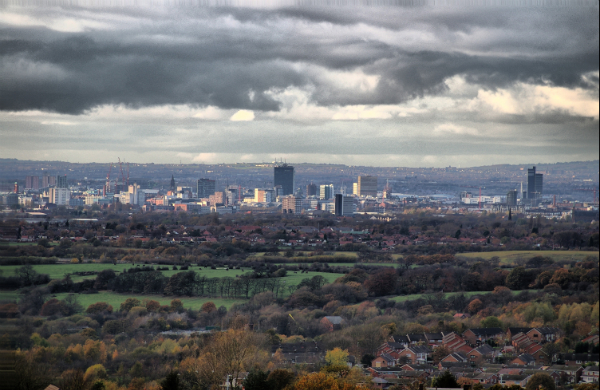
(218,198)
(326,191)
(354,188)
(291,205)
(535,185)
(511,198)
(478,336)
(367,186)
(264,195)
(283,176)
(311,190)
(332,322)
(48,181)
(61,182)
(59,196)
(344,206)
(32,183)
(205,188)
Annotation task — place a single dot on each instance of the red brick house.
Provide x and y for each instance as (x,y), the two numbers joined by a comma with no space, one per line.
(417,354)
(332,322)
(478,336)
(543,335)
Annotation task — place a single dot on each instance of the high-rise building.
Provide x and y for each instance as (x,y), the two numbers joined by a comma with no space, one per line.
(511,197)
(344,205)
(367,186)
(283,176)
(172,186)
(61,181)
(535,185)
(326,191)
(263,195)
(291,205)
(32,182)
(355,188)
(59,196)
(311,190)
(206,188)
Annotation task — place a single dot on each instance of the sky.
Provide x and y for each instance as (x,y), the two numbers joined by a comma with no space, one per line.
(427,85)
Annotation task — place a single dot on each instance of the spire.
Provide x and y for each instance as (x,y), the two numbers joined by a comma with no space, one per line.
(172,183)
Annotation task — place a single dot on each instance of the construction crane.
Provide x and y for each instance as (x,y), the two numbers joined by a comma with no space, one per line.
(479,193)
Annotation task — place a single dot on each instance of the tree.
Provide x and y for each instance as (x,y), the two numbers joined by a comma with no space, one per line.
(491,322)
(171,381)
(367,359)
(73,380)
(208,307)
(99,307)
(129,303)
(26,274)
(518,279)
(474,306)
(383,282)
(446,380)
(337,357)
(540,381)
(257,380)
(439,353)
(280,379)
(176,305)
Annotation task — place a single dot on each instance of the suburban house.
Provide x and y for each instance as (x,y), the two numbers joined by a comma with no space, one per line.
(434,339)
(511,332)
(383,360)
(332,322)
(543,335)
(482,353)
(577,359)
(456,357)
(523,360)
(590,374)
(417,354)
(477,336)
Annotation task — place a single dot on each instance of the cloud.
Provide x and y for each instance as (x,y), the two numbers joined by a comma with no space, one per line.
(454,129)
(242,116)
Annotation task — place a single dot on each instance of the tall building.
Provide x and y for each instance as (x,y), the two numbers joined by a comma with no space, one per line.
(284,177)
(59,196)
(206,188)
(291,205)
(344,205)
(61,182)
(311,190)
(355,189)
(326,191)
(535,185)
(263,195)
(172,187)
(48,181)
(32,182)
(367,186)
(511,198)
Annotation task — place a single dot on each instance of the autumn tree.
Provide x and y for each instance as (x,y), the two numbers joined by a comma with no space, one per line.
(474,306)
(439,353)
(540,381)
(129,303)
(208,307)
(383,282)
(99,307)
(337,357)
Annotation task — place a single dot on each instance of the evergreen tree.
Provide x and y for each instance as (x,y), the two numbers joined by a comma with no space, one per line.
(446,380)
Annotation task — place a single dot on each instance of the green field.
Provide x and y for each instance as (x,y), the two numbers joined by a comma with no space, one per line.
(306,254)
(510,257)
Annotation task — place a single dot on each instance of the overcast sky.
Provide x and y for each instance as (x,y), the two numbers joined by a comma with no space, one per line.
(431,85)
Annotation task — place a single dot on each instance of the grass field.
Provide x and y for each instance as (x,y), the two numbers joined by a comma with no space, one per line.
(306,254)
(509,257)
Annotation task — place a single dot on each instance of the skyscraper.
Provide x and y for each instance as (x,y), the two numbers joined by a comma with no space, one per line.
(344,205)
(206,188)
(367,186)
(511,198)
(61,181)
(326,191)
(535,185)
(311,189)
(283,176)
(32,182)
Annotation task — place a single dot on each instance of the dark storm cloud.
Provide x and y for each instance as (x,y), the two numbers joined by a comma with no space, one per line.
(231,58)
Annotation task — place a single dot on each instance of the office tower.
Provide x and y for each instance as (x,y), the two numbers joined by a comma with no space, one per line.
(311,190)
(367,186)
(355,189)
(344,205)
(218,198)
(232,195)
(511,197)
(61,182)
(277,191)
(284,177)
(32,182)
(326,191)
(206,188)
(535,185)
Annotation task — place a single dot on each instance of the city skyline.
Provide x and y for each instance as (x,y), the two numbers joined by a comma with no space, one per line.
(411,86)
